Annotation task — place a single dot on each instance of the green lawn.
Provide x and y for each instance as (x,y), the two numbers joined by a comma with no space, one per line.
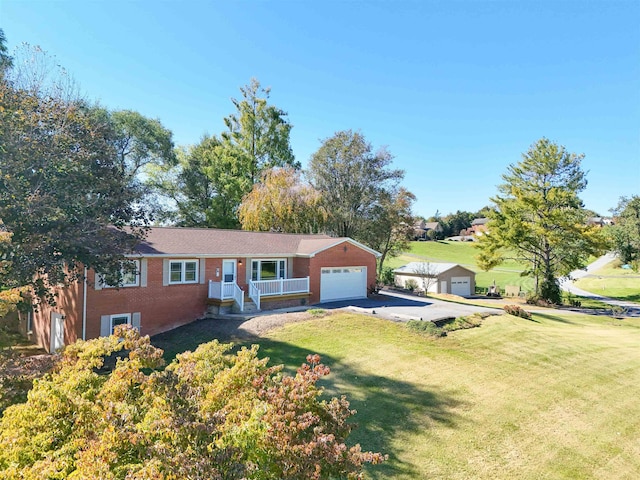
(553,398)
(464,253)
(613,281)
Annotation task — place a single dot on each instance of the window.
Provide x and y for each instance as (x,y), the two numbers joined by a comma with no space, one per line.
(129,278)
(183,271)
(268,269)
(120,319)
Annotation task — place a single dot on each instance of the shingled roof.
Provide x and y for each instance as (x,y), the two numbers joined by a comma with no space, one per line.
(177,241)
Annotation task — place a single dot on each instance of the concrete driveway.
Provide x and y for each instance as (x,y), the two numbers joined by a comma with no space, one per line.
(401,308)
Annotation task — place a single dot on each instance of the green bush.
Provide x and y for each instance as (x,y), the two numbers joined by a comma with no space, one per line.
(442,327)
(411,285)
(517,311)
(387,276)
(317,312)
(426,327)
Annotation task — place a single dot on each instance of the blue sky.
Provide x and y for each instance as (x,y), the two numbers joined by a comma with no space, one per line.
(457,90)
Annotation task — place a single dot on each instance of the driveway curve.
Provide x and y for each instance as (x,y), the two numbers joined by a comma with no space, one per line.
(401,307)
(566,284)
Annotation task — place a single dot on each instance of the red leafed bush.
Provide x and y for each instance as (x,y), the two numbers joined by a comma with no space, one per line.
(207,415)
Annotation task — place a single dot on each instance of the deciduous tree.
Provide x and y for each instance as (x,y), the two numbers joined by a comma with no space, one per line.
(626,231)
(539,218)
(390,228)
(351,178)
(140,141)
(212,178)
(208,415)
(206,185)
(62,196)
(281,202)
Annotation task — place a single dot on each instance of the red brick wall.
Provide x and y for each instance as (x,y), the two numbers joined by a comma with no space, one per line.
(68,303)
(165,307)
(161,307)
(343,255)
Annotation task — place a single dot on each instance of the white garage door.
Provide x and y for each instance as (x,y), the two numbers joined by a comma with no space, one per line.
(343,283)
(461,286)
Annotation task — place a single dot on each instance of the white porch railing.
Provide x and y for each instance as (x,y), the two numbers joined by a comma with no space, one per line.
(238,296)
(254,294)
(226,290)
(258,289)
(282,286)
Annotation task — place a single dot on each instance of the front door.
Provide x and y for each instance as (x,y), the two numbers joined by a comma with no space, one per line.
(57,331)
(229,271)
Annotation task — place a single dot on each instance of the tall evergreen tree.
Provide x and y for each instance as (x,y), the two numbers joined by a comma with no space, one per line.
(539,218)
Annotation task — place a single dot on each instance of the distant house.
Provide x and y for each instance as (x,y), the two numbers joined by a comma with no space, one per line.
(181,273)
(477,228)
(438,277)
(421,229)
(599,221)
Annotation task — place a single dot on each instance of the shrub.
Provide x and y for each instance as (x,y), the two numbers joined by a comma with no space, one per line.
(516,311)
(462,323)
(317,312)
(426,327)
(387,276)
(411,285)
(208,414)
(440,328)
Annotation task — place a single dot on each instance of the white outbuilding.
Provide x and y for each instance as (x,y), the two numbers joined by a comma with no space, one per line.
(437,277)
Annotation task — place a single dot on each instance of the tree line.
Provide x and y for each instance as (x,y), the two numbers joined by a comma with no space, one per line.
(81,183)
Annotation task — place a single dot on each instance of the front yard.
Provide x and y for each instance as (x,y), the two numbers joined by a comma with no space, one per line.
(553,397)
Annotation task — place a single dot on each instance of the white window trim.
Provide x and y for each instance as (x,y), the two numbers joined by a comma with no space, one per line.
(277,260)
(118,315)
(122,273)
(183,271)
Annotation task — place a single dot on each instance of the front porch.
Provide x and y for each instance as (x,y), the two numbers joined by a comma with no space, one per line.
(259,291)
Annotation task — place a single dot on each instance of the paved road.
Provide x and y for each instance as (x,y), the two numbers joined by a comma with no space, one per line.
(401,308)
(566,284)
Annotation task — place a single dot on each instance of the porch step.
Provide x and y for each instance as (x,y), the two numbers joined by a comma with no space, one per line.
(249,307)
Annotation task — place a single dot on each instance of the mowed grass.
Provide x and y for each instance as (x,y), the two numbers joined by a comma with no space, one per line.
(613,281)
(464,253)
(552,398)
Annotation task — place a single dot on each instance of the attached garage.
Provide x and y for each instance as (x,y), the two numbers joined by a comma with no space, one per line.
(437,277)
(342,283)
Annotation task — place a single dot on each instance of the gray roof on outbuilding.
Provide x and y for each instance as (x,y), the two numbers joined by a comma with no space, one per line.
(431,268)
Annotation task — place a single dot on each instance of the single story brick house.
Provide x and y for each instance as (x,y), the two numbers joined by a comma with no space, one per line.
(438,277)
(184,272)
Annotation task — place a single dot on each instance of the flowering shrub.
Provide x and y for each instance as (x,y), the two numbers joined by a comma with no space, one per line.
(207,415)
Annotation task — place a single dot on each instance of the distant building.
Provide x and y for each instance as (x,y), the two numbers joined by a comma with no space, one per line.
(422,228)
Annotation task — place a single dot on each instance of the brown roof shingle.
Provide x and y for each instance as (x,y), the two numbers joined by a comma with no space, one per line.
(210,241)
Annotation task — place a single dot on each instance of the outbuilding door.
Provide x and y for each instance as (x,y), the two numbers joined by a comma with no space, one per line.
(342,283)
(461,286)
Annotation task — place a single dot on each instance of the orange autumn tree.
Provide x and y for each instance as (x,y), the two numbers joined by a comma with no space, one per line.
(281,202)
(209,414)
